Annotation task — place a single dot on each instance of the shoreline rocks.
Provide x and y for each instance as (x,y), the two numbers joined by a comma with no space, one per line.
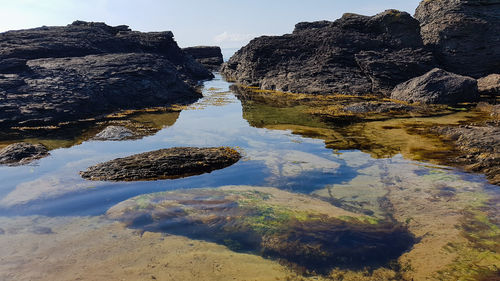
(22,153)
(489,85)
(208,56)
(169,163)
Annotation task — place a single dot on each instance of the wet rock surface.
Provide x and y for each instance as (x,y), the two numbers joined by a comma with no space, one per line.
(208,56)
(114,133)
(355,54)
(22,153)
(174,162)
(464,34)
(437,86)
(50,75)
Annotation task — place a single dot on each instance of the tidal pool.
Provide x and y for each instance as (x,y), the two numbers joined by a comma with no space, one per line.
(335,197)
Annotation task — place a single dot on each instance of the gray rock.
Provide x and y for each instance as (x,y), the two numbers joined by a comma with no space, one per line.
(437,87)
(464,34)
(355,54)
(489,85)
(208,56)
(114,133)
(174,162)
(22,153)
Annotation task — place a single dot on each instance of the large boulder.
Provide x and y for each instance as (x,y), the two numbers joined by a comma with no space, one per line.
(50,75)
(22,153)
(489,85)
(353,55)
(465,34)
(437,86)
(208,56)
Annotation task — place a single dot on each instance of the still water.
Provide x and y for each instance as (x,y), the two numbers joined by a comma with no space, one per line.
(424,220)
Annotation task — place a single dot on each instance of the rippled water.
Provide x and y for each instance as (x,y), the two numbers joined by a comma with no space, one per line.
(50,203)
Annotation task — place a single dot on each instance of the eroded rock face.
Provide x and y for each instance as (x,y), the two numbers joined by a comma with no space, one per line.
(463,33)
(50,75)
(437,86)
(174,162)
(355,54)
(22,153)
(489,85)
(208,56)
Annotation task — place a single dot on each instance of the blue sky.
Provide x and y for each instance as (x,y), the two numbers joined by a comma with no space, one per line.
(227,23)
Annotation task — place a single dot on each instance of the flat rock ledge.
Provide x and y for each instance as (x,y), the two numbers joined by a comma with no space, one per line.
(169,163)
(22,153)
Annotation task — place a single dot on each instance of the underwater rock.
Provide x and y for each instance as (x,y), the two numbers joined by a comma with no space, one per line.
(114,133)
(437,86)
(489,85)
(353,55)
(174,162)
(378,107)
(464,34)
(50,75)
(296,229)
(22,153)
(208,56)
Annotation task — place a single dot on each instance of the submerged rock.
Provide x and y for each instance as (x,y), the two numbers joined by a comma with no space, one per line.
(114,133)
(489,85)
(464,34)
(437,86)
(22,153)
(50,75)
(174,162)
(355,54)
(300,230)
(208,56)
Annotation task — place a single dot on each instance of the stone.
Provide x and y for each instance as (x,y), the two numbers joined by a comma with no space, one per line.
(437,87)
(353,55)
(464,34)
(114,133)
(169,163)
(22,153)
(208,56)
(489,85)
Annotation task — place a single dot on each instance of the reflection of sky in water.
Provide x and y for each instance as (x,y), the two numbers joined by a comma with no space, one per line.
(276,158)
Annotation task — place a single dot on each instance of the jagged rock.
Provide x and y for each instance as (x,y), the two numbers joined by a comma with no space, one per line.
(465,34)
(164,163)
(437,86)
(114,133)
(489,85)
(355,54)
(57,74)
(208,56)
(22,153)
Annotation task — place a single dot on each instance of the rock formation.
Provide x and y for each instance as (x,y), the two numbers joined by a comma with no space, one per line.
(58,74)
(22,153)
(489,85)
(208,56)
(353,55)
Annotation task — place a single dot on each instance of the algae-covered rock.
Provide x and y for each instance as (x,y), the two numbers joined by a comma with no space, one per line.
(164,163)
(297,229)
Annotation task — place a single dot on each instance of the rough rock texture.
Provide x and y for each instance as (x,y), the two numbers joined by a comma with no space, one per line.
(208,56)
(22,153)
(58,74)
(437,86)
(355,54)
(489,85)
(465,34)
(164,163)
(480,145)
(114,133)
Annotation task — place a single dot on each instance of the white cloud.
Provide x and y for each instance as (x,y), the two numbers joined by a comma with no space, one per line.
(226,37)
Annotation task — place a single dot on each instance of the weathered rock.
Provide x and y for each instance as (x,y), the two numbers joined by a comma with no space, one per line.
(114,133)
(50,75)
(465,34)
(22,153)
(355,54)
(208,56)
(174,162)
(489,85)
(437,86)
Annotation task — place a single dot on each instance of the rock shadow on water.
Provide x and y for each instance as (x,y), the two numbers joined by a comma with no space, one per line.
(307,234)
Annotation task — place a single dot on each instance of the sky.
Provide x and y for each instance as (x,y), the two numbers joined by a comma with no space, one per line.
(225,23)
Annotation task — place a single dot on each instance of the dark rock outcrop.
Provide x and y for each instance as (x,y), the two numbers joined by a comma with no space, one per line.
(164,164)
(208,56)
(355,54)
(58,74)
(489,85)
(437,86)
(22,153)
(463,33)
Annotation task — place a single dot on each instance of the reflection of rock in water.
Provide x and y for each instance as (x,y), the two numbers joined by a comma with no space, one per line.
(305,232)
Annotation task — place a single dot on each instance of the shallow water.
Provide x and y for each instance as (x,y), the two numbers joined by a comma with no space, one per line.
(368,169)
